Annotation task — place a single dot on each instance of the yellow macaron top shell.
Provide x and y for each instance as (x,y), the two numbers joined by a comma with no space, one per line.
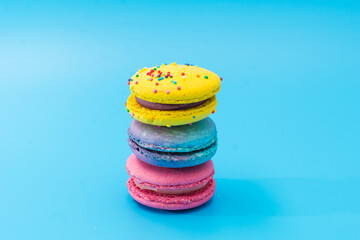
(174,84)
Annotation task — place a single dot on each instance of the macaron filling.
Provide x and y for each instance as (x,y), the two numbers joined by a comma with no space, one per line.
(167,107)
(172,189)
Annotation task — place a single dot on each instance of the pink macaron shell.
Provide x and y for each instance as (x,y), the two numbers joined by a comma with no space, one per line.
(171,202)
(173,189)
(146,173)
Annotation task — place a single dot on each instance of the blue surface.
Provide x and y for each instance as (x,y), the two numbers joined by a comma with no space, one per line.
(288,120)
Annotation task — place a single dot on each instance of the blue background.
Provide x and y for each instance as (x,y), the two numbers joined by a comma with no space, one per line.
(288,119)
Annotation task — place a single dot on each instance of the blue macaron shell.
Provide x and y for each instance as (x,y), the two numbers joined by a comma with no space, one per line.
(185,138)
(175,147)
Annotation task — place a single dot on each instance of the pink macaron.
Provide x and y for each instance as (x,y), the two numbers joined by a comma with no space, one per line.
(170,188)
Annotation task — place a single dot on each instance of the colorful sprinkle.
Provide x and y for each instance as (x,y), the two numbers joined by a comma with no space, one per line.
(221,79)
(174,63)
(174,82)
(155,91)
(178,88)
(156,83)
(151,79)
(137,75)
(206,77)
(171,76)
(167,91)
(198,75)
(193,116)
(182,74)
(128,83)
(160,78)
(168,125)
(190,124)
(136,82)
(166,76)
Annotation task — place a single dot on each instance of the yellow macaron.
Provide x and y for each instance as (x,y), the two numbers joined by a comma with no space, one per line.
(158,90)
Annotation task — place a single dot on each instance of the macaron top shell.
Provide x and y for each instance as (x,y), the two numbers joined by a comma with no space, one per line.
(147,173)
(184,138)
(174,84)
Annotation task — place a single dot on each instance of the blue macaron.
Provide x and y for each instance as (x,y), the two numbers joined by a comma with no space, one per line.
(175,147)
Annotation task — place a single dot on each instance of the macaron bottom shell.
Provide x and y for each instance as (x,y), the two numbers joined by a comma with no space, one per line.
(170,118)
(173,159)
(171,201)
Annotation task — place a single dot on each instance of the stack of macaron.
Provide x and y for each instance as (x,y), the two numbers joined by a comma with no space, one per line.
(171,137)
